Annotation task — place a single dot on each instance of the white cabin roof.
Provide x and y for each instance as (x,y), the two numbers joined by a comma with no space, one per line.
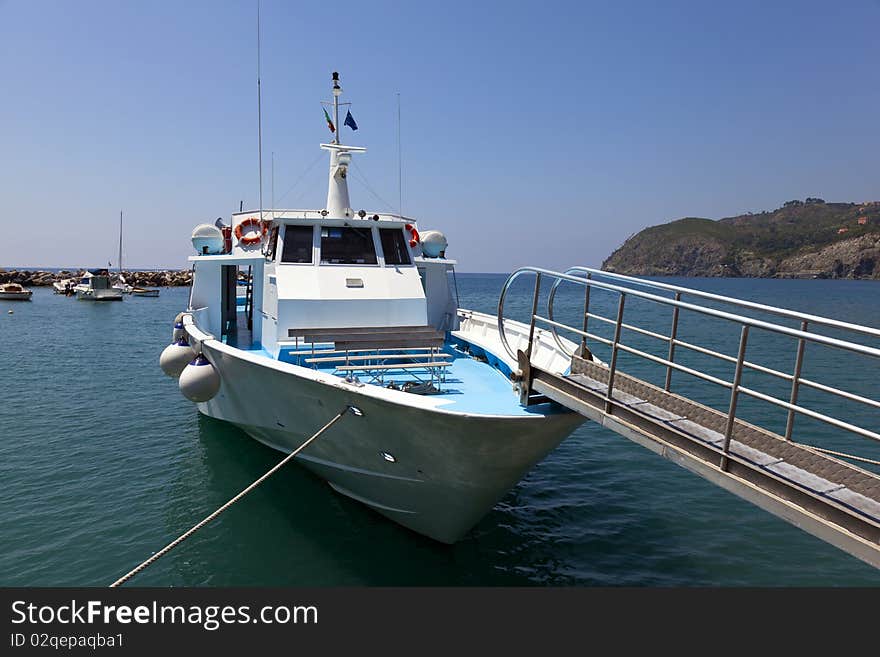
(311,216)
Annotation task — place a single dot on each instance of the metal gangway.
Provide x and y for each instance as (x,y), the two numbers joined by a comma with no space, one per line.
(833,494)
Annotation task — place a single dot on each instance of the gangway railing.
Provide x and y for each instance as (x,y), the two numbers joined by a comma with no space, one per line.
(652,292)
(746,323)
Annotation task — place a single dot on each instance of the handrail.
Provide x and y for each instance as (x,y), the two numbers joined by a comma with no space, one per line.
(735,387)
(740,319)
(781,312)
(688,345)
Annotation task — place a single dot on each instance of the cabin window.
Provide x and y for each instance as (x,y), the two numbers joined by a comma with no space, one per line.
(347,246)
(394,246)
(297,244)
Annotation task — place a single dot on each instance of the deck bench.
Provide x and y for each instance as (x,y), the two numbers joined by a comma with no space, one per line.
(373,337)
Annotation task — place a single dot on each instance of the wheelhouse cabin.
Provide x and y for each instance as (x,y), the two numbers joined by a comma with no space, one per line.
(306,274)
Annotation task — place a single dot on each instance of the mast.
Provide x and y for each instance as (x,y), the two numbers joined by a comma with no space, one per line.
(337,90)
(119,262)
(338,203)
(259,116)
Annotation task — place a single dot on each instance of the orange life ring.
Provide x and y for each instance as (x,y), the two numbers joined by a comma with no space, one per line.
(414,233)
(252,239)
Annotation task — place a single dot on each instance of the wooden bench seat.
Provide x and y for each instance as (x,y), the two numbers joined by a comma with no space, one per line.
(373,337)
(372,330)
(415,343)
(307,349)
(401,366)
(346,357)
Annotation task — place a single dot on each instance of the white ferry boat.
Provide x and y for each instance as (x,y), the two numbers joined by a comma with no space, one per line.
(353,308)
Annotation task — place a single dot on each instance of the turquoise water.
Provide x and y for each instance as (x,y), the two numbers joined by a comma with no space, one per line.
(102,462)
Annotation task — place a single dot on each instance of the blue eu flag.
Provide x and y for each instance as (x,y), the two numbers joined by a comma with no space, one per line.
(349,121)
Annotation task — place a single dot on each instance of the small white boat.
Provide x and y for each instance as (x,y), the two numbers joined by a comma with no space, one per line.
(95,286)
(14,292)
(122,285)
(64,286)
(144,292)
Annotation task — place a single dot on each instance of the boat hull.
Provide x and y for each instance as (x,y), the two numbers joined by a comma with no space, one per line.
(435,472)
(15,296)
(99,295)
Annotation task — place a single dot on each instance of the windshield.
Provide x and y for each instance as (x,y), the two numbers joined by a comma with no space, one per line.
(297,244)
(394,246)
(347,246)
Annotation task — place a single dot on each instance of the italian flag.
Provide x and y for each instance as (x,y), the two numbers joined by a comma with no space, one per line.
(329,122)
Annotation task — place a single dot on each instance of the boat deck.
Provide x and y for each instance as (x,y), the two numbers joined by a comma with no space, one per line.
(469,378)
(468,382)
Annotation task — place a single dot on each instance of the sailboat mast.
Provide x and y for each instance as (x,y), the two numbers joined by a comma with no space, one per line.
(119,262)
(259,116)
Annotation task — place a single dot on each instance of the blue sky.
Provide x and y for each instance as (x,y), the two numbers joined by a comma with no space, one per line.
(533,133)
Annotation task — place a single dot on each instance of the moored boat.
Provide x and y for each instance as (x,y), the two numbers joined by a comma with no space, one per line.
(122,285)
(65,286)
(95,286)
(14,292)
(144,292)
(355,309)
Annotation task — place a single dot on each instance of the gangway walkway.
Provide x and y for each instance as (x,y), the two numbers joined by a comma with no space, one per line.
(817,489)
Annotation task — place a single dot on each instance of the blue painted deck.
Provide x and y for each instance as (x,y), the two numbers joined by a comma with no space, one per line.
(477,381)
(469,384)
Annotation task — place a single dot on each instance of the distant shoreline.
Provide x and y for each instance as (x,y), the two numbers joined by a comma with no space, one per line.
(137,277)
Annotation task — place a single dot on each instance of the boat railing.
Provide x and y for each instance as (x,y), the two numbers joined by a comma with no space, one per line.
(625,288)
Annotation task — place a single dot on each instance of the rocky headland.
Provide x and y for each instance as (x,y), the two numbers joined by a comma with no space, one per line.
(802,239)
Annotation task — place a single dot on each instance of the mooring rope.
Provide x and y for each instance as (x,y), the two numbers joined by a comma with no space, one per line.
(843,454)
(180,539)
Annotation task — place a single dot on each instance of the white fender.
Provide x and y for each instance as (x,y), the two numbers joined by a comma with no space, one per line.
(175,357)
(199,381)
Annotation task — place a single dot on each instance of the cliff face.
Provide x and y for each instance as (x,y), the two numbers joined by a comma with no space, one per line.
(800,240)
(858,257)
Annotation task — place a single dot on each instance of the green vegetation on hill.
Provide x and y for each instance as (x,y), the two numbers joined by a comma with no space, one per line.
(802,238)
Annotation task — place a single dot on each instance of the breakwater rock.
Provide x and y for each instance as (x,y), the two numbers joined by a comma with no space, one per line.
(41,277)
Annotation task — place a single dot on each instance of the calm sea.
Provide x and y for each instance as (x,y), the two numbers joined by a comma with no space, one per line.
(102,462)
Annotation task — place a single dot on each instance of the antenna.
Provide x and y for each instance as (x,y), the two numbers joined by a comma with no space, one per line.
(399,164)
(259,115)
(273,184)
(337,90)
